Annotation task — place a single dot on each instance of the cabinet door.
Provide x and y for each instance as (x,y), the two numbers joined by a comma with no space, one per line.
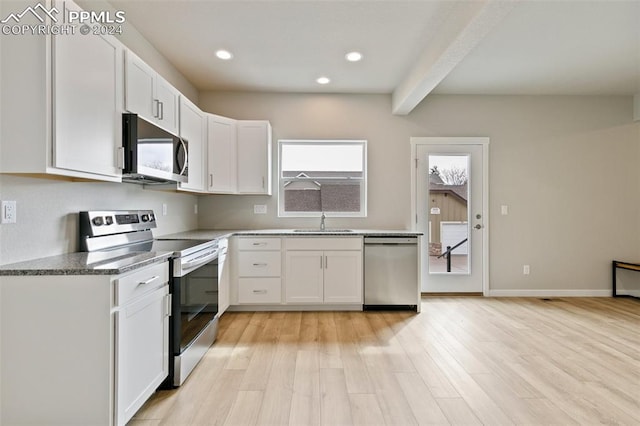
(142,351)
(254,157)
(303,279)
(87,102)
(167,100)
(193,130)
(343,277)
(222,176)
(140,80)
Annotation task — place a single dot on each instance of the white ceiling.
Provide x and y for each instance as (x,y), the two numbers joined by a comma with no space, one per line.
(410,48)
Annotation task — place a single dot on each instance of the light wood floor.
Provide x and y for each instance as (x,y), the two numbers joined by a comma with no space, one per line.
(463,360)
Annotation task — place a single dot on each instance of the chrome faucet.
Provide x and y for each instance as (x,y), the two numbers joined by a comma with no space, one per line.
(322,218)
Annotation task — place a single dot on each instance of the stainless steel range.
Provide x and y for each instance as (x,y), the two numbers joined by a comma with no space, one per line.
(193,283)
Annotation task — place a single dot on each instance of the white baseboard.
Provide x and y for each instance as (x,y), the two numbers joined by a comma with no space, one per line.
(550,293)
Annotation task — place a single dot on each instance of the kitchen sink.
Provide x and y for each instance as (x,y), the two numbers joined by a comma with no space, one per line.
(322,230)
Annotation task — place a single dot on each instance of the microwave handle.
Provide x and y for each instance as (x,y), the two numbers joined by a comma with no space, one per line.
(186,156)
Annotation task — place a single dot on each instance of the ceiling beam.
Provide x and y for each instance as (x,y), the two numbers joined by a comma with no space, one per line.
(458,35)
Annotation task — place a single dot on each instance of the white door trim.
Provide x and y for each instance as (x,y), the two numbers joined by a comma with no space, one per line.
(473,140)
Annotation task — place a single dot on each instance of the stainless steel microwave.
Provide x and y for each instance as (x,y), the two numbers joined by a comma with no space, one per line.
(151,154)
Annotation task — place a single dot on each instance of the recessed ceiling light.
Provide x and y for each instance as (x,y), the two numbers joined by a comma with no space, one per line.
(323,80)
(353,56)
(224,54)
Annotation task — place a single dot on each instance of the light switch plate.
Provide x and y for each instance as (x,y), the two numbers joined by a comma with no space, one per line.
(504,209)
(259,209)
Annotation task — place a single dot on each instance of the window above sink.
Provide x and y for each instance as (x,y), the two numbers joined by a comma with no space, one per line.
(317,176)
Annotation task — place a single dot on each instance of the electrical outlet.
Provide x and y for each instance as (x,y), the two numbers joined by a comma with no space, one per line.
(259,209)
(9,212)
(526,270)
(504,209)
(164,209)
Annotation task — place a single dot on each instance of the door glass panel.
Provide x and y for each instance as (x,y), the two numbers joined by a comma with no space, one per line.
(448,214)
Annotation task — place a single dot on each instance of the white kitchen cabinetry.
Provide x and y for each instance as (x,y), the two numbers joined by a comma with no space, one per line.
(90,349)
(193,128)
(61,103)
(254,157)
(323,270)
(222,155)
(224,276)
(149,95)
(259,263)
(142,339)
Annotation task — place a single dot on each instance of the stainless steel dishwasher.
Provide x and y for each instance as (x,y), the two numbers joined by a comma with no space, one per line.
(391,273)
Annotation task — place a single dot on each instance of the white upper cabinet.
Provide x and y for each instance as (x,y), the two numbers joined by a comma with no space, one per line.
(149,95)
(222,157)
(61,103)
(87,82)
(254,157)
(193,128)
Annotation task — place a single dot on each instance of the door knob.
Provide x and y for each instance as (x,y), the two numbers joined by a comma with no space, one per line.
(478,226)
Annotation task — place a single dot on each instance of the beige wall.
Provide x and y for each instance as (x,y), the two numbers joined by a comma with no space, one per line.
(48,212)
(567,167)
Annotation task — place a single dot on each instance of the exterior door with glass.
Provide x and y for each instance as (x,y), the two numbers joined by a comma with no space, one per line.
(450,203)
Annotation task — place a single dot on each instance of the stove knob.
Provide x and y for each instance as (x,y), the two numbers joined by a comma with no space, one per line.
(152,217)
(97,221)
(108,220)
(145,218)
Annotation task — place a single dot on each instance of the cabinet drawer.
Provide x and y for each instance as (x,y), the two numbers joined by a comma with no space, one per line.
(259,263)
(259,290)
(140,282)
(258,243)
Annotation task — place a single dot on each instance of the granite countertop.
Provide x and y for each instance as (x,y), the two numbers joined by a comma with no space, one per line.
(83,263)
(212,234)
(115,263)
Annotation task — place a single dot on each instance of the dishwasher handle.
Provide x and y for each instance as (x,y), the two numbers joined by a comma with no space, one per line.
(390,240)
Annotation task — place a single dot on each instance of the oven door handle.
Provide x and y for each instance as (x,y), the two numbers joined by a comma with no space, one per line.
(198,261)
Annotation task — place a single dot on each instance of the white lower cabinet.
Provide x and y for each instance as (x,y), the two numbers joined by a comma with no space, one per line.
(328,277)
(304,277)
(142,342)
(89,350)
(259,265)
(259,290)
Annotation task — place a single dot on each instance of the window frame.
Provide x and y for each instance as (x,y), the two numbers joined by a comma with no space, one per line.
(363,185)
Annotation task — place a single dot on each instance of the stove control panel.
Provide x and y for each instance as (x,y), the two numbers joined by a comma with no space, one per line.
(98,223)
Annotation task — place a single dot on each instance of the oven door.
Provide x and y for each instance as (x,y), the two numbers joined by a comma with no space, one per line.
(195,304)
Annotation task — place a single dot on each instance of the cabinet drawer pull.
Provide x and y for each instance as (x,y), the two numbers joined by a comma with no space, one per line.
(259,244)
(259,291)
(149,281)
(211,180)
(161,112)
(156,114)
(260,265)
